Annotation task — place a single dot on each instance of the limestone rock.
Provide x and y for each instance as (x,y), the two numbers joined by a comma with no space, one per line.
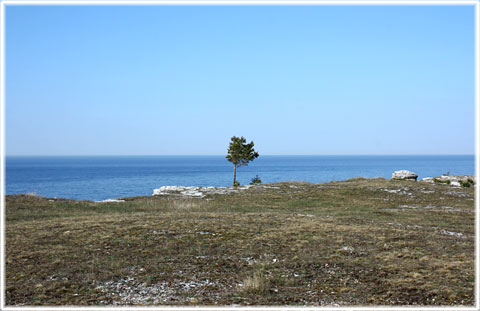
(404,174)
(199,192)
(428,179)
(110,200)
(450,180)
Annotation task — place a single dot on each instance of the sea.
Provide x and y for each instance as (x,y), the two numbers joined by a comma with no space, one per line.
(107,177)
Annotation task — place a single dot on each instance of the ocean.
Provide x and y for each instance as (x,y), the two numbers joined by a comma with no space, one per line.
(105,177)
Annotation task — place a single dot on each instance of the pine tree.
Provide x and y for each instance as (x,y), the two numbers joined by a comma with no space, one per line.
(240,153)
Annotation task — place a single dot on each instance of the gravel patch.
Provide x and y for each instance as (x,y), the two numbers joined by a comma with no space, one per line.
(128,291)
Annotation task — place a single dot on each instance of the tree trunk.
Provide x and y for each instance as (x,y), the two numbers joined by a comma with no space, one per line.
(234,174)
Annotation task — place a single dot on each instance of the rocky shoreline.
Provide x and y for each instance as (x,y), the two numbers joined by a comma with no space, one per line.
(200,192)
(455,181)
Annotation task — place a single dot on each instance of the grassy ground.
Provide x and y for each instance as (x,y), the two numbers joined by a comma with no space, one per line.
(357,242)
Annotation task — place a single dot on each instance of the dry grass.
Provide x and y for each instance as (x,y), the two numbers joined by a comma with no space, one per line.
(258,284)
(358,242)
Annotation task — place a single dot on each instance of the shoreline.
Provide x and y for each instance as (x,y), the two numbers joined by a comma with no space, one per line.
(202,191)
(99,179)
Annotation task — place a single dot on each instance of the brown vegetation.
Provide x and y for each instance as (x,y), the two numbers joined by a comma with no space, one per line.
(357,242)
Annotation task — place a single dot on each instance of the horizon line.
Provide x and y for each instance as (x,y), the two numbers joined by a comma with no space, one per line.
(205,155)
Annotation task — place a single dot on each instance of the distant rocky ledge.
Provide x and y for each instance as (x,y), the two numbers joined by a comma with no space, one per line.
(198,192)
(456,181)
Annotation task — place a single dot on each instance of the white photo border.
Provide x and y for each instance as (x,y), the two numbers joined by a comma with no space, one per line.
(4,3)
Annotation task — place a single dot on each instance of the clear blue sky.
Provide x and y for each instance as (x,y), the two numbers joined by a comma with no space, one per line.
(168,80)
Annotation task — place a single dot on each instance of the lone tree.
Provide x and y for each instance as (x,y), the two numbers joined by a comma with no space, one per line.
(240,153)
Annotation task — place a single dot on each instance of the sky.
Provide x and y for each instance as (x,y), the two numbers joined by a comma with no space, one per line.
(182,80)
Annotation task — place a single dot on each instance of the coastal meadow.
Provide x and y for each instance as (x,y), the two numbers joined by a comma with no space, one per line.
(354,242)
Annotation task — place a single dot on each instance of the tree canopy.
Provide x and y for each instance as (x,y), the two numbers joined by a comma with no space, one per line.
(240,153)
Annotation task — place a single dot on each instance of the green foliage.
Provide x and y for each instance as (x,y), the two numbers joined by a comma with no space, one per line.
(240,153)
(236,183)
(441,181)
(469,182)
(256,180)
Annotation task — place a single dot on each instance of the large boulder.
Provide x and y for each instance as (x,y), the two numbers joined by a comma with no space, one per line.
(404,174)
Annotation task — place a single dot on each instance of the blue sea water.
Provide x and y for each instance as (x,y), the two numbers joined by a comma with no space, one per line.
(103,177)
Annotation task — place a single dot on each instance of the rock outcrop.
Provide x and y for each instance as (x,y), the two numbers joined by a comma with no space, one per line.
(451,180)
(404,174)
(110,200)
(198,192)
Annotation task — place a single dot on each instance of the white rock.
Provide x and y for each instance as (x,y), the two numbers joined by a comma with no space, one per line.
(456,234)
(404,174)
(110,200)
(198,192)
(348,249)
(454,180)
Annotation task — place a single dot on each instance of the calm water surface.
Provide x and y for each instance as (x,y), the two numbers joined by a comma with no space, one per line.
(103,177)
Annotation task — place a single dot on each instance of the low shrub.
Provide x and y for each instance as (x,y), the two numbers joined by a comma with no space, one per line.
(258,284)
(469,182)
(441,181)
(256,180)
